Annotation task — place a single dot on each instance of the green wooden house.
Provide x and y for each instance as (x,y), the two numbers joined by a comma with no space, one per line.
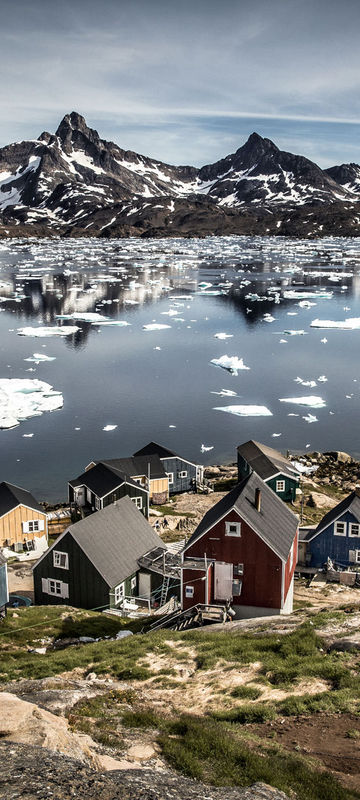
(94,563)
(271,466)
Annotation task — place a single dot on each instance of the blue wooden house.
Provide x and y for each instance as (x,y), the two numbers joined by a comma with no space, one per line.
(271,466)
(183,475)
(4,592)
(337,537)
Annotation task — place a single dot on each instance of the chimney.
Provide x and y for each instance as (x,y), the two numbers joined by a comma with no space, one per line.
(258,499)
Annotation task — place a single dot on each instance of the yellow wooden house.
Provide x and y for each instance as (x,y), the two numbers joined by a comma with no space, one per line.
(23,522)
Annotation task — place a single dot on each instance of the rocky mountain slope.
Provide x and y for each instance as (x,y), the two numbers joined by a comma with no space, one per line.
(75,183)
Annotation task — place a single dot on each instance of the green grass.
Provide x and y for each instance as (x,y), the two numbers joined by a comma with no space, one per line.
(246,692)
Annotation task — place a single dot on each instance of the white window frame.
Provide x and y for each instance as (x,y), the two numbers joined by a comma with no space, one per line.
(189,592)
(357,556)
(237,584)
(97,503)
(54,587)
(138,502)
(57,557)
(237,529)
(119,592)
(133,583)
(182,473)
(170,478)
(280,486)
(336,531)
(88,495)
(291,558)
(354,525)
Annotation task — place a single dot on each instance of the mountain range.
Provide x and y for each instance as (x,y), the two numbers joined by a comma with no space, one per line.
(73,183)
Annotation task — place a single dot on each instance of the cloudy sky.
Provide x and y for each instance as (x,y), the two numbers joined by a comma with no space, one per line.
(186,81)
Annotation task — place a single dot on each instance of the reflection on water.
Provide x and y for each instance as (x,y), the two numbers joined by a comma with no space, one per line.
(252,288)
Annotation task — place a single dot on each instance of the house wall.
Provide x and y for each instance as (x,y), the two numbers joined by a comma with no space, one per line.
(289,493)
(327,544)
(196,579)
(289,567)
(243,467)
(176,465)
(128,591)
(11,529)
(159,490)
(87,588)
(262,577)
(4,593)
(128,490)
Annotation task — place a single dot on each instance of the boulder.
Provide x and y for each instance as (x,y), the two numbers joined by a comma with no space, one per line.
(338,455)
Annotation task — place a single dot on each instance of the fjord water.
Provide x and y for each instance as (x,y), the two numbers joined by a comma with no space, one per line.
(159,384)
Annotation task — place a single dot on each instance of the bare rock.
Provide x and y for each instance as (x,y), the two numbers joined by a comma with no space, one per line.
(318,500)
(338,455)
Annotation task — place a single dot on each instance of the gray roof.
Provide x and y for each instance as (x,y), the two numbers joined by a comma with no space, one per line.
(351,503)
(275,523)
(114,538)
(265,460)
(102,479)
(138,465)
(13,496)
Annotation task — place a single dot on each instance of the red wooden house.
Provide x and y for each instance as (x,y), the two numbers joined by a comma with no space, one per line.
(243,551)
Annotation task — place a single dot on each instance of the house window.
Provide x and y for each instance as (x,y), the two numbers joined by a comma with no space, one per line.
(232,529)
(189,591)
(182,474)
(60,559)
(33,525)
(119,593)
(354,529)
(340,529)
(54,587)
(97,503)
(236,587)
(133,583)
(57,588)
(171,478)
(357,556)
(280,486)
(138,502)
(238,569)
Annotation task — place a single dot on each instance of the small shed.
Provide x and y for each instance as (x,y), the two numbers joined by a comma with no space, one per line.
(94,563)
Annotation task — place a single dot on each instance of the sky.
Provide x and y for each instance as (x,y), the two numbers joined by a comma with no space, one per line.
(186,81)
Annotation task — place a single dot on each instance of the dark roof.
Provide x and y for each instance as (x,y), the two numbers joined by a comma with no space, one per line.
(102,479)
(275,523)
(350,503)
(138,465)
(13,496)
(113,539)
(158,449)
(265,460)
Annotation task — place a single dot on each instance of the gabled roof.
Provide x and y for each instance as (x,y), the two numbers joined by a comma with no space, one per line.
(265,460)
(113,539)
(158,449)
(102,479)
(351,503)
(138,465)
(12,496)
(275,523)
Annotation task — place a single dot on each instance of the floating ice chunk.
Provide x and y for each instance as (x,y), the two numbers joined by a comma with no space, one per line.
(295,333)
(226,393)
(109,427)
(283,341)
(275,435)
(311,384)
(306,304)
(155,326)
(323,341)
(171,313)
(205,449)
(119,323)
(83,316)
(77,429)
(231,363)
(313,401)
(223,335)
(310,418)
(22,398)
(268,318)
(322,379)
(293,415)
(28,435)
(349,324)
(66,330)
(246,410)
(172,426)
(291,294)
(37,357)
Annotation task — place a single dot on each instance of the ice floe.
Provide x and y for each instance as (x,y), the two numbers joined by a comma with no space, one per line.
(230,363)
(349,324)
(245,410)
(39,357)
(84,316)
(310,418)
(109,428)
(155,326)
(226,393)
(22,398)
(313,401)
(223,335)
(119,323)
(205,449)
(66,330)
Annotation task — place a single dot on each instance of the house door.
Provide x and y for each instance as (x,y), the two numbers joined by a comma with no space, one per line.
(223,578)
(144,585)
(79,496)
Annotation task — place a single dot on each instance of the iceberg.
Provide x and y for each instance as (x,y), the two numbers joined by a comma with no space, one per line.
(205,449)
(37,357)
(67,330)
(226,393)
(245,410)
(155,326)
(109,427)
(310,418)
(120,323)
(22,398)
(313,401)
(231,363)
(223,335)
(291,294)
(84,316)
(349,324)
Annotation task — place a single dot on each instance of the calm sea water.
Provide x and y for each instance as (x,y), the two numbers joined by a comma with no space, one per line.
(159,385)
